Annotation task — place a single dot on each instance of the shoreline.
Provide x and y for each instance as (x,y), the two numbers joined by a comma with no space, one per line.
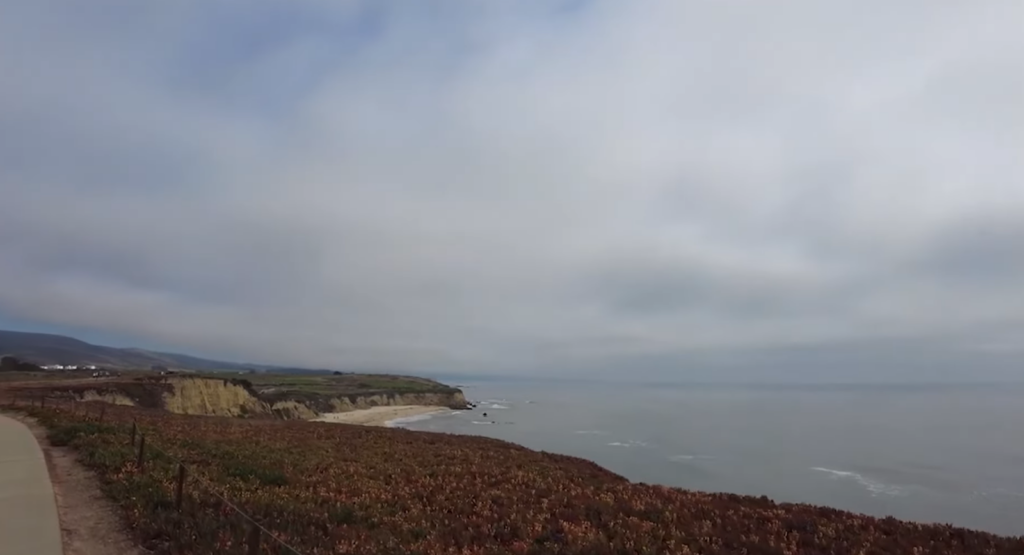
(385,416)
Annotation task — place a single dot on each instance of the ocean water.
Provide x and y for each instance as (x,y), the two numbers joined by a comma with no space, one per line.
(924,452)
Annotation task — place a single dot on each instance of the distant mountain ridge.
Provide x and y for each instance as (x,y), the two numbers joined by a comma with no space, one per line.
(45,348)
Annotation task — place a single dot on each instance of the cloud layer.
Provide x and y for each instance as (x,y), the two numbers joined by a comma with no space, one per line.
(521,186)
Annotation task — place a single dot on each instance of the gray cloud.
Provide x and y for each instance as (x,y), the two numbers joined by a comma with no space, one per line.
(978,252)
(512,187)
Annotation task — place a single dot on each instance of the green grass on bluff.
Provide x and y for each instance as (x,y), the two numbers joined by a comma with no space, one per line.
(346,384)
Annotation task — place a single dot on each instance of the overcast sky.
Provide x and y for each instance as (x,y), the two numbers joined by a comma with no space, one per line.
(513,186)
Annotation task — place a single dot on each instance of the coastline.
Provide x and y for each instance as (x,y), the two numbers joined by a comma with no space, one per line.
(385,416)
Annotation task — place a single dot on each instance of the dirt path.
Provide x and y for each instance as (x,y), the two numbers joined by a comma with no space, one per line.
(90,523)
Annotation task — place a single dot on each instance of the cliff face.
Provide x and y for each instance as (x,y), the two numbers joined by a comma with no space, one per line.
(344,404)
(309,403)
(225,397)
(308,407)
(112,397)
(211,397)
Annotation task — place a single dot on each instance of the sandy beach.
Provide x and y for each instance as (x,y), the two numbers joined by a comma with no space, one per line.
(377,416)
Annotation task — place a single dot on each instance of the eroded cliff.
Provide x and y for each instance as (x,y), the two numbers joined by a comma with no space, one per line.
(237,397)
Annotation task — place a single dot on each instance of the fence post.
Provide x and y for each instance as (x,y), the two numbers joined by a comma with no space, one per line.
(142,450)
(73,406)
(254,540)
(133,432)
(180,489)
(103,411)
(42,402)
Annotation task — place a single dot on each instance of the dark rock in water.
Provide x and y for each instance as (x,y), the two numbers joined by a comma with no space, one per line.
(485,414)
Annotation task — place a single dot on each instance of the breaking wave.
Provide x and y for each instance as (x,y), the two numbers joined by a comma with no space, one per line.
(400,422)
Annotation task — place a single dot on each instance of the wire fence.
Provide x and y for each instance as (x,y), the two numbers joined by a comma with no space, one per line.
(188,481)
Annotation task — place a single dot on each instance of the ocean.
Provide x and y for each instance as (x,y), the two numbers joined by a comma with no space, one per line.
(924,452)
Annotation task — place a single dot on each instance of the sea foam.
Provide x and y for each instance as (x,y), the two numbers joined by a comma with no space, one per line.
(875,487)
(682,458)
(628,443)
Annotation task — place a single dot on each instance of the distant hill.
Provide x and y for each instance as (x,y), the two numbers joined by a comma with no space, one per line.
(45,348)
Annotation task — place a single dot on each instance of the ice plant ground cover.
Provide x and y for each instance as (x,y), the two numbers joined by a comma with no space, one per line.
(333,489)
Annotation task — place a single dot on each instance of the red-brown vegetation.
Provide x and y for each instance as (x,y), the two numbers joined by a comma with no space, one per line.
(331,488)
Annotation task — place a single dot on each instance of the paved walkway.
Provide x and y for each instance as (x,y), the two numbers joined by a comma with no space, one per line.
(28,512)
